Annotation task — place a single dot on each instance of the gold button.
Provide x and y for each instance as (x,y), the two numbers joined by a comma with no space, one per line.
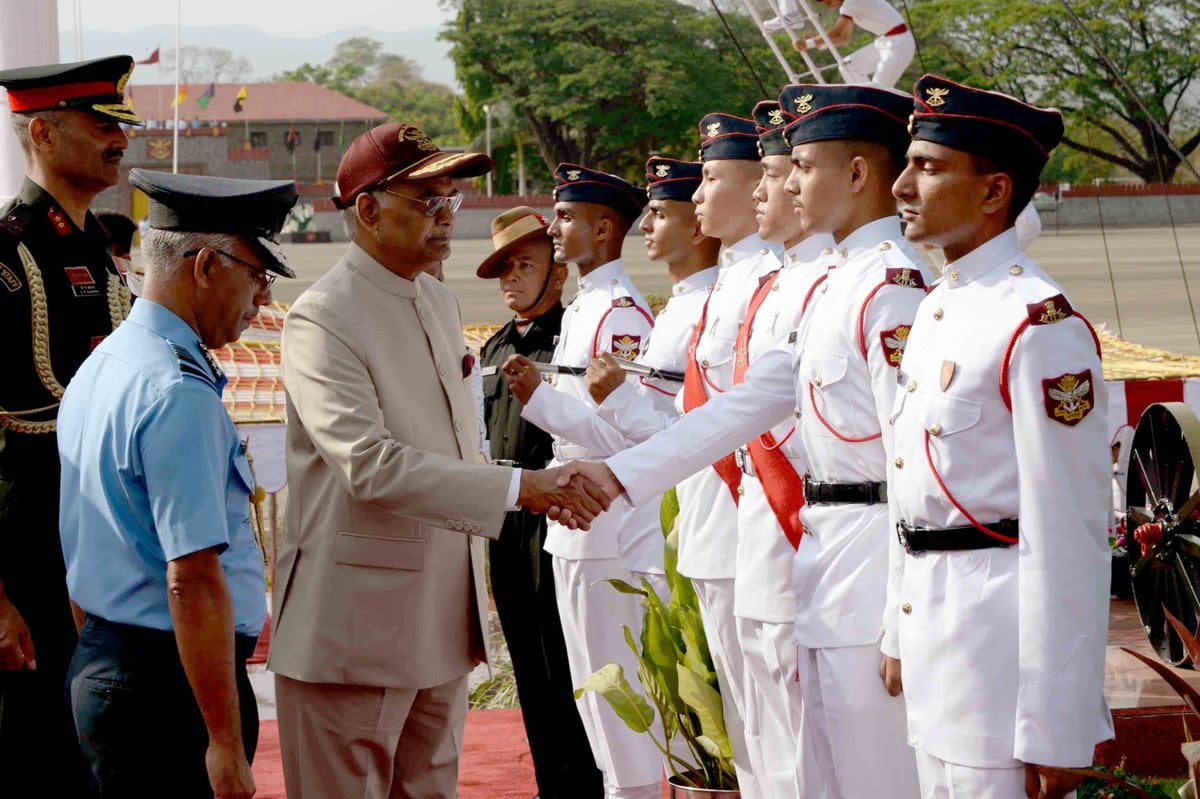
(887,245)
(906,608)
(937,314)
(843,252)
(796,411)
(911,387)
(817,381)
(763,251)
(953,274)
(827,251)
(741,491)
(935,429)
(775,286)
(704,362)
(1015,269)
(899,462)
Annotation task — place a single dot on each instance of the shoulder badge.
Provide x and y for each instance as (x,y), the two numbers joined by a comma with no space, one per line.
(1070,397)
(623,302)
(626,346)
(9,279)
(15,221)
(906,277)
(1048,311)
(893,342)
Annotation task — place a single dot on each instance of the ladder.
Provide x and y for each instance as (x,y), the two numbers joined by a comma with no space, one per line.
(814,71)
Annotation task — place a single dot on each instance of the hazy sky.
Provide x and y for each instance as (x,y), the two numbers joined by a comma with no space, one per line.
(280,17)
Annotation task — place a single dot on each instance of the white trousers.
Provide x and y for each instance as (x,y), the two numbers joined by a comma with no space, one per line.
(942,780)
(881,62)
(773,702)
(716,612)
(853,741)
(593,614)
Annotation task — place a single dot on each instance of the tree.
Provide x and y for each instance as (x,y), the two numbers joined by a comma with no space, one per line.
(1034,50)
(392,83)
(611,82)
(208,65)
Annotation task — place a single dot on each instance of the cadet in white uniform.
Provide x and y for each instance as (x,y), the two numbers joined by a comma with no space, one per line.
(843,378)
(999,609)
(881,62)
(592,213)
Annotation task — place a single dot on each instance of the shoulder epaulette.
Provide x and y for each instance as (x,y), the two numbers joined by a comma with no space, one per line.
(623,302)
(14,222)
(1044,301)
(188,365)
(1048,311)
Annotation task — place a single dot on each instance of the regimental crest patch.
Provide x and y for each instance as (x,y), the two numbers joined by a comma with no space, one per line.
(626,346)
(908,278)
(9,279)
(1069,398)
(1049,311)
(623,302)
(893,342)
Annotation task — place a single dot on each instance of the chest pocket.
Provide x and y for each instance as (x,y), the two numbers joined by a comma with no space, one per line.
(954,442)
(830,397)
(237,499)
(716,345)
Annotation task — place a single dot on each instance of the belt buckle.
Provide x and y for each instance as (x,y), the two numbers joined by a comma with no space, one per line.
(903,528)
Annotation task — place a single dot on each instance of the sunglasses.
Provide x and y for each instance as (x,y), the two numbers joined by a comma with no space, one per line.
(434,204)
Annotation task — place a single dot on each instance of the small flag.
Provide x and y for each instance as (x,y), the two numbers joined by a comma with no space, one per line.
(292,138)
(203,99)
(153,59)
(241,98)
(182,96)
(317,139)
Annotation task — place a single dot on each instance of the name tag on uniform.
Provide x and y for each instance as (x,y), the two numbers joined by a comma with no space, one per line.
(792,337)
(489,371)
(82,282)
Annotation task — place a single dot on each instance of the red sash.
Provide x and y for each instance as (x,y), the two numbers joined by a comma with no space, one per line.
(782,486)
(694,395)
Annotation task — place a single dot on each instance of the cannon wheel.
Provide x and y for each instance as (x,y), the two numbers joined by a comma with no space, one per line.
(1162,486)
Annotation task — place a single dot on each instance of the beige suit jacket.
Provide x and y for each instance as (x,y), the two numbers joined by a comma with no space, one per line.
(379,579)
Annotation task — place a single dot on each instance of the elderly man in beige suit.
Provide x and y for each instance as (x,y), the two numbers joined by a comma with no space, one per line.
(379,598)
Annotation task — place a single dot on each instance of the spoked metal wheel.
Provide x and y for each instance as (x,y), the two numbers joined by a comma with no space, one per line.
(1162,488)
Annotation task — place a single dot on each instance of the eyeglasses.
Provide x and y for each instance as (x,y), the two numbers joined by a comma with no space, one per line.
(434,204)
(264,279)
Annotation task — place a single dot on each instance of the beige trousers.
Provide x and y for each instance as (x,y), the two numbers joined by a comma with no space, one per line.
(342,741)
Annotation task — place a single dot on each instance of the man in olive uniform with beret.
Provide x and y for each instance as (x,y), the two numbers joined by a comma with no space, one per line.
(61,295)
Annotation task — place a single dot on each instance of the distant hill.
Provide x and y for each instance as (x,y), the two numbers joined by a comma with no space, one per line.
(269,54)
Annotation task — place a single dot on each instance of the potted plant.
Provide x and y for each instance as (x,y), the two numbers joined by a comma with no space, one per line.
(681,708)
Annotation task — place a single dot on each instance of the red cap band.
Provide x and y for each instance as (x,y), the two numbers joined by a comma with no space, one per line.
(50,96)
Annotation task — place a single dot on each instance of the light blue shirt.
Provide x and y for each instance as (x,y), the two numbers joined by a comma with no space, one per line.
(152,470)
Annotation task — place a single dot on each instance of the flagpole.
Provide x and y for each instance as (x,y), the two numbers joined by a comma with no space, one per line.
(158,112)
(178,56)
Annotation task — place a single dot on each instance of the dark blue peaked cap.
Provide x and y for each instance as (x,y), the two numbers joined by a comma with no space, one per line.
(771,121)
(984,123)
(669,179)
(724,137)
(578,184)
(253,209)
(826,112)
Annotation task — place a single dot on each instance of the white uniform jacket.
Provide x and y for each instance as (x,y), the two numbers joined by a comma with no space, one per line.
(763,585)
(1002,649)
(607,315)
(575,420)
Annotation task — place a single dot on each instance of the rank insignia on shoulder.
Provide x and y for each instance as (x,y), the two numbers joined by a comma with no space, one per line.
(623,302)
(9,278)
(1049,311)
(893,342)
(908,278)
(59,221)
(626,346)
(1070,397)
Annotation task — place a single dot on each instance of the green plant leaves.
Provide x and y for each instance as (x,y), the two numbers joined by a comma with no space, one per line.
(706,702)
(629,705)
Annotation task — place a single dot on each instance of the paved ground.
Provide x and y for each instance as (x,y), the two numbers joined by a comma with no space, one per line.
(1145,265)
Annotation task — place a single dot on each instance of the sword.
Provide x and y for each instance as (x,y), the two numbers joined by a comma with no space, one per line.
(628,367)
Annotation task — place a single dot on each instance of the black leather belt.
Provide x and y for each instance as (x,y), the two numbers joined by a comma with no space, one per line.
(741,457)
(948,539)
(520,464)
(843,493)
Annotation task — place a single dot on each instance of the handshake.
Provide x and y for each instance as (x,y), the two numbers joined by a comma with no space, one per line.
(573,494)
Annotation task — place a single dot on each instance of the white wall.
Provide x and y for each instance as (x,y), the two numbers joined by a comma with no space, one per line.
(28,36)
